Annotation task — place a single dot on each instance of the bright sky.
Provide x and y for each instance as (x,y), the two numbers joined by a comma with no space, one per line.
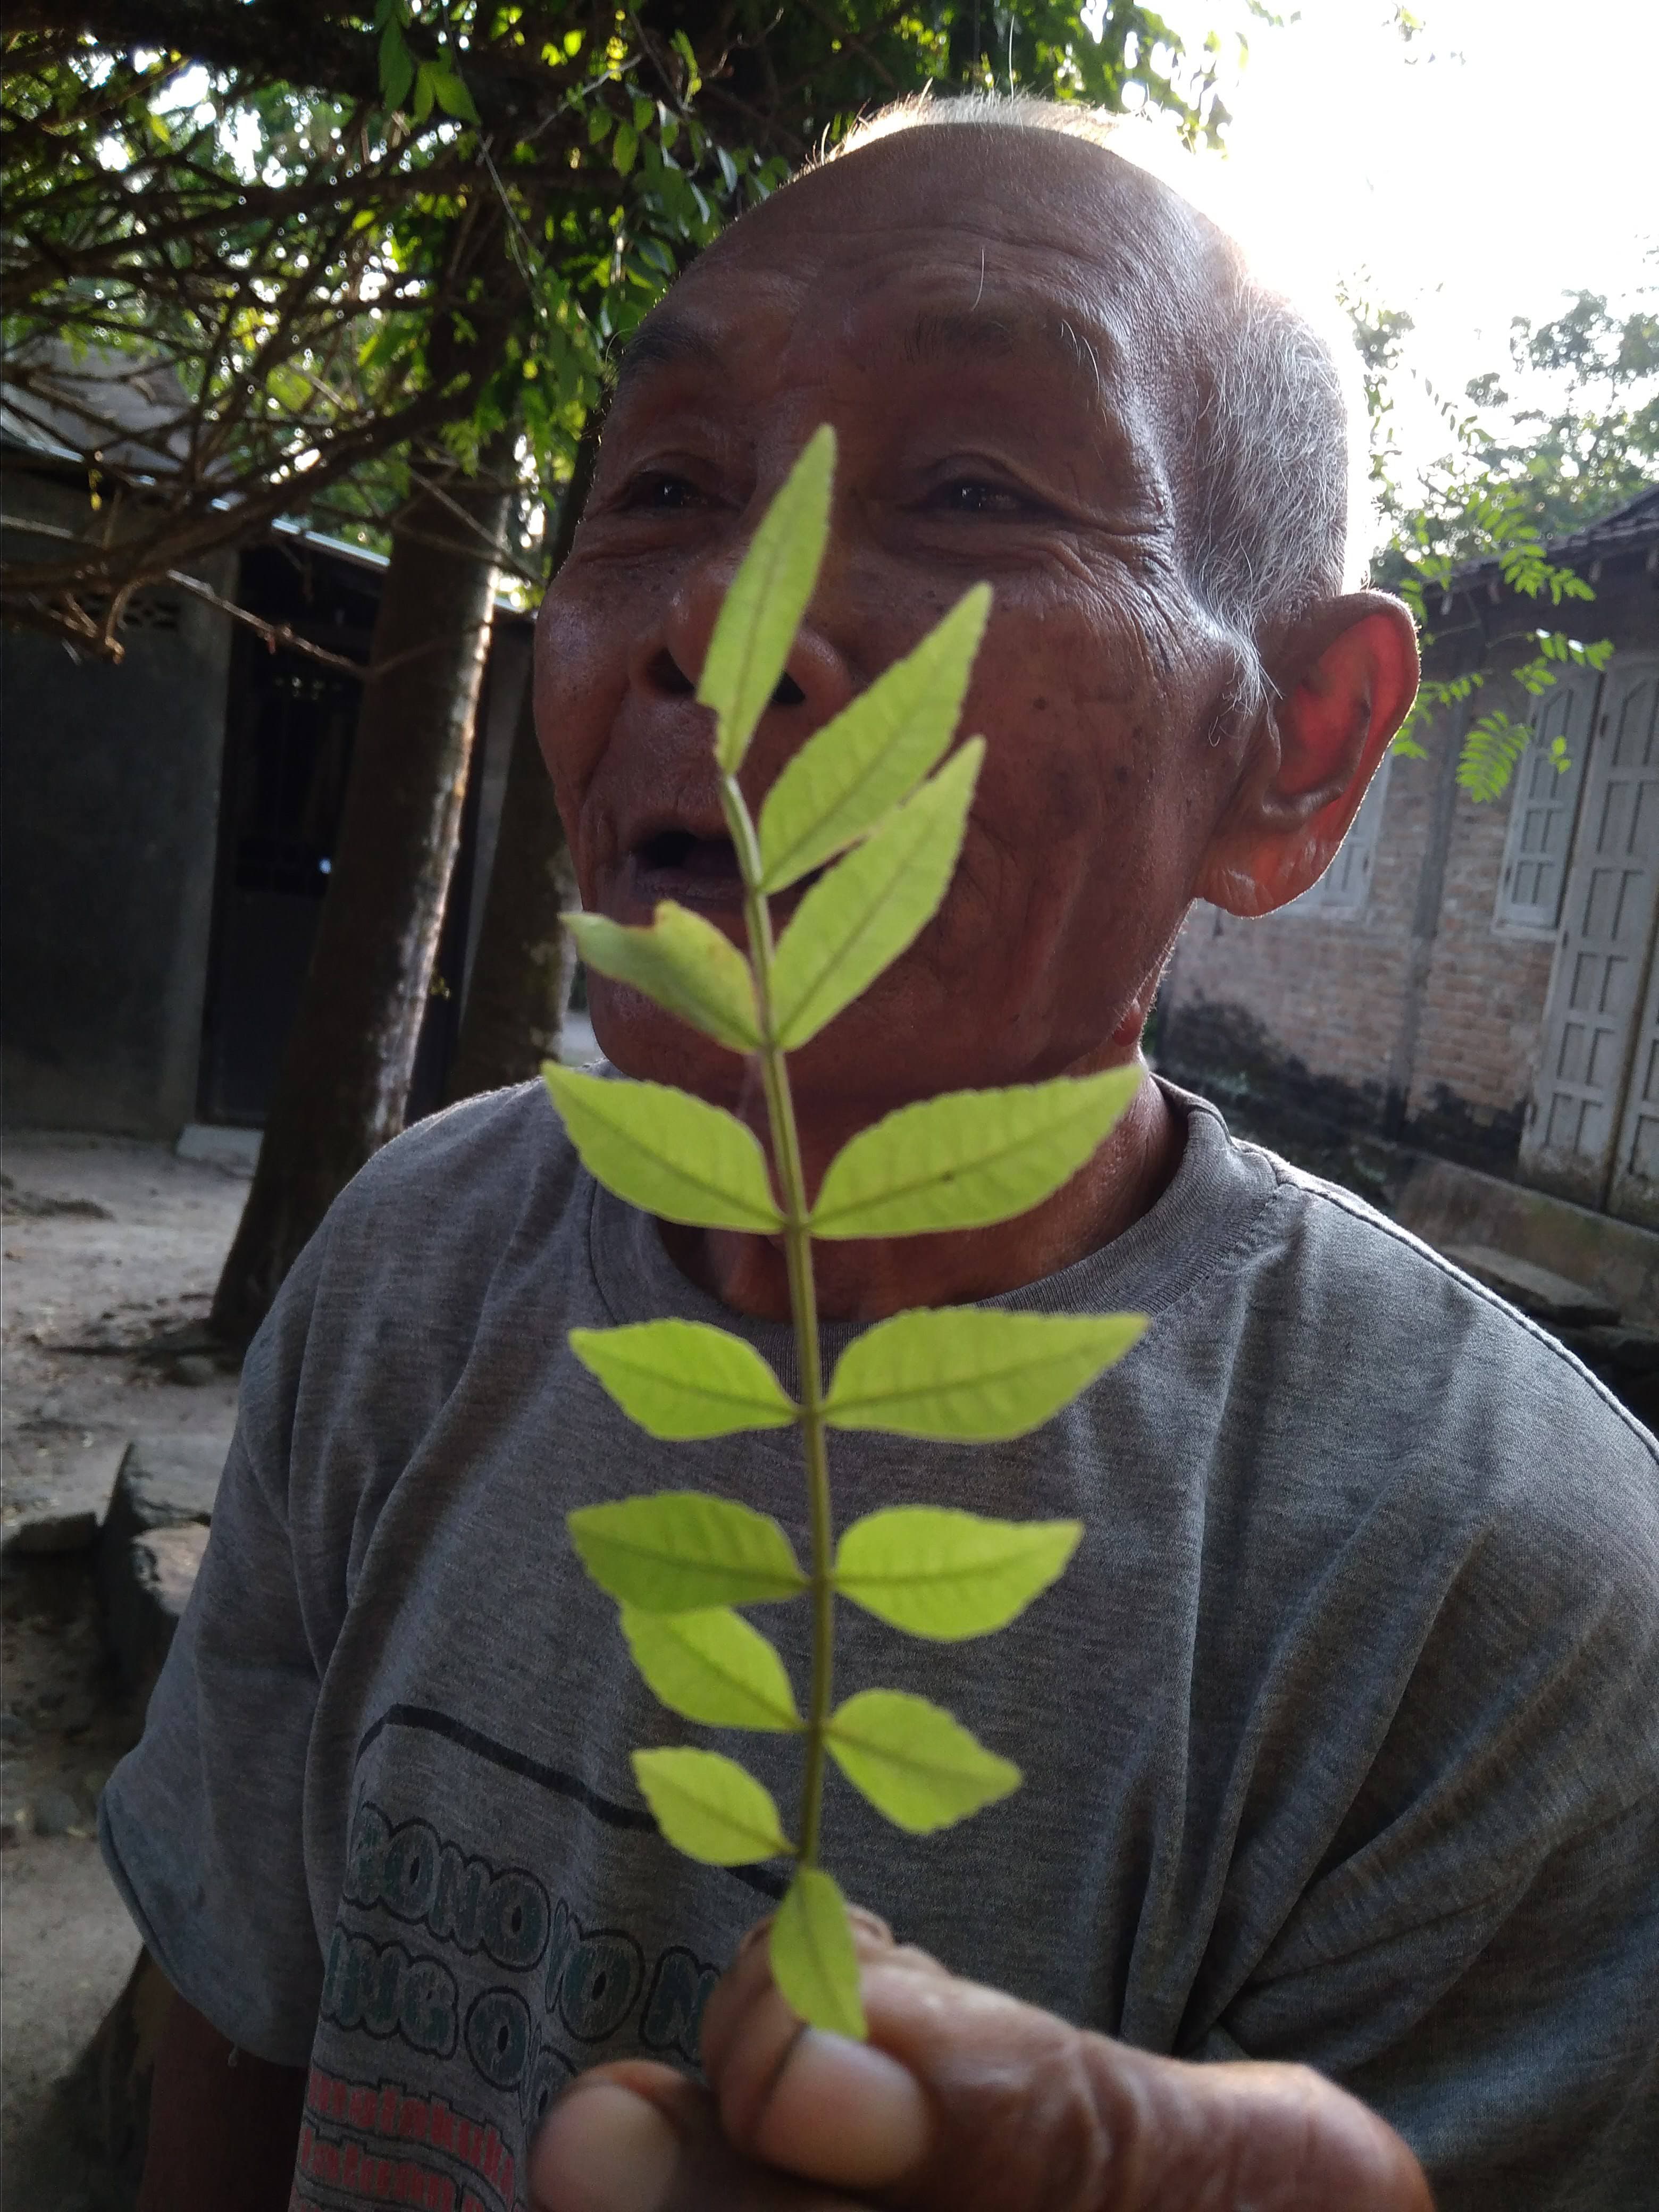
(1505,155)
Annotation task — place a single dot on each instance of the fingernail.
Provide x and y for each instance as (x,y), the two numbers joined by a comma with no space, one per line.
(752,1936)
(845,2112)
(603,2150)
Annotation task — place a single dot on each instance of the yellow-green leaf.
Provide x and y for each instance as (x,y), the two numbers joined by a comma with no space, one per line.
(453,97)
(969,1157)
(972,1373)
(934,1571)
(681,1551)
(873,905)
(709,1807)
(874,753)
(914,1762)
(682,962)
(671,1154)
(684,1378)
(814,1961)
(767,597)
(712,1667)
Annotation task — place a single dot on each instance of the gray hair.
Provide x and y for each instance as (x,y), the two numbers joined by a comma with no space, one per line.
(1279,481)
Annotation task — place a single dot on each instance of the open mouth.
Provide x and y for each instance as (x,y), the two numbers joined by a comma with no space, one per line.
(677,864)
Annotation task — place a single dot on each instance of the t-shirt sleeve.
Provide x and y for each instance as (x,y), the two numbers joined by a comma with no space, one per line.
(202,1824)
(1477,1958)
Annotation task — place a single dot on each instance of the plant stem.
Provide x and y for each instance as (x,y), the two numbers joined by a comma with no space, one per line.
(804,1310)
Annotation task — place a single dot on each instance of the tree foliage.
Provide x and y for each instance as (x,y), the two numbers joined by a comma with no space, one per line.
(1517,473)
(327,235)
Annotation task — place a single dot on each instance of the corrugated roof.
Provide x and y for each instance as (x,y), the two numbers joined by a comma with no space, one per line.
(1629,528)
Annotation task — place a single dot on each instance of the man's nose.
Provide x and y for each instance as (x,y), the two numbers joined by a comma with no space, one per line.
(815,684)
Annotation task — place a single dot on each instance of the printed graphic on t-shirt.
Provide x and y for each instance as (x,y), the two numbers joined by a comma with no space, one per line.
(461,1992)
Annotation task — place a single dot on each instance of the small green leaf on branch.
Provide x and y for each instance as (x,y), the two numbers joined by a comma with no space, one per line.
(813,1960)
(767,599)
(683,1378)
(936,1572)
(665,1151)
(453,97)
(709,1807)
(681,1551)
(874,904)
(915,1763)
(712,1667)
(970,1156)
(874,753)
(397,66)
(682,962)
(971,1373)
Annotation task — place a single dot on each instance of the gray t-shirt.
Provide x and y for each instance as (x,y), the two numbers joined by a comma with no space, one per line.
(1340,1734)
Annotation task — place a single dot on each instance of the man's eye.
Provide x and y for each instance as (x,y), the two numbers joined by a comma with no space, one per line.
(974,496)
(659,491)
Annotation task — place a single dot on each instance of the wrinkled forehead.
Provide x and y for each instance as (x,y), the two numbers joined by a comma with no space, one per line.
(973,240)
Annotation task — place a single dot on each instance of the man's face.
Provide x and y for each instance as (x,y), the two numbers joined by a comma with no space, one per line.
(1001,326)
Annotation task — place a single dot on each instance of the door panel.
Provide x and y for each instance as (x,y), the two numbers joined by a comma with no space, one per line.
(1634,1193)
(1545,804)
(1599,984)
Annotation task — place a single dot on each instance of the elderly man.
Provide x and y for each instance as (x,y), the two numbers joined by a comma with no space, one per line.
(1340,1736)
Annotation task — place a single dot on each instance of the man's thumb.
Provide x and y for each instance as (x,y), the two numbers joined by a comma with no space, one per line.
(966,2100)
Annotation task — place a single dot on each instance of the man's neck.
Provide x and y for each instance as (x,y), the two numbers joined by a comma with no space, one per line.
(864,1280)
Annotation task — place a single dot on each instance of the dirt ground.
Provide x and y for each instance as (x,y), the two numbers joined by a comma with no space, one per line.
(106,1244)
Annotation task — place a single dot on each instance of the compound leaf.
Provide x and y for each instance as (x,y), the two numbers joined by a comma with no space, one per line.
(671,1154)
(874,753)
(681,1551)
(712,1667)
(936,1572)
(684,1378)
(914,1762)
(972,1373)
(709,1807)
(969,1157)
(814,1961)
(767,597)
(872,906)
(682,962)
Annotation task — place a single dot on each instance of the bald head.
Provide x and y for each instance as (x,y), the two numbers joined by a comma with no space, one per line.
(1241,396)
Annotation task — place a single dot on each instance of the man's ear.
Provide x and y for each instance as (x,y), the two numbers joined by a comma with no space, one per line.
(1348,678)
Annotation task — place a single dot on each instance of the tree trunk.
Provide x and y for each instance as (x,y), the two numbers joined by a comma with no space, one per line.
(345,1071)
(521,969)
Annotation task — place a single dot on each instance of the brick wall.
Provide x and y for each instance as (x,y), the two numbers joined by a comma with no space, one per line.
(1416,1018)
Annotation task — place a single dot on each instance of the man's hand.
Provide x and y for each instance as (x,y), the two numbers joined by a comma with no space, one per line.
(963,2100)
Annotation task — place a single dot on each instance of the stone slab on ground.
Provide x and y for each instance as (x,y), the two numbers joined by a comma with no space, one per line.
(1447,1205)
(58,1486)
(1633,1351)
(237,1150)
(147,1598)
(1536,1290)
(69,1946)
(152,1545)
(163,1483)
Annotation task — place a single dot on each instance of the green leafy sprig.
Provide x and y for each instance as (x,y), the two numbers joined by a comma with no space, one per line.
(868,794)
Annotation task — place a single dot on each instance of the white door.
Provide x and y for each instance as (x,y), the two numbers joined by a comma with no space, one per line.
(1600,994)
(1634,1193)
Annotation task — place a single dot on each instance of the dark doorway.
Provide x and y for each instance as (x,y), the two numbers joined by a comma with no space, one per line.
(289,723)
